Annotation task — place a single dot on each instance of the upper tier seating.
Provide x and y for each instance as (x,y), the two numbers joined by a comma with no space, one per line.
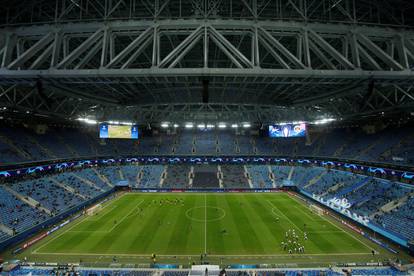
(392,145)
(205,142)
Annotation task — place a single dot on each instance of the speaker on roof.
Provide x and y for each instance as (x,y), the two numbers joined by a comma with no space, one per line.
(205,94)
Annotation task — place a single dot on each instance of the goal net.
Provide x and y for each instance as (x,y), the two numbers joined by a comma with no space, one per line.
(316,209)
(94,209)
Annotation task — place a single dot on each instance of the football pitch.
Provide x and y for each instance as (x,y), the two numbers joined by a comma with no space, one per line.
(226,227)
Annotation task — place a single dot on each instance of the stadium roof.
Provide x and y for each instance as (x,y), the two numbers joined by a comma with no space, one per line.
(259,60)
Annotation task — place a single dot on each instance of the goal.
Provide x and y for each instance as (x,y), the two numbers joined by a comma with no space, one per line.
(316,209)
(94,209)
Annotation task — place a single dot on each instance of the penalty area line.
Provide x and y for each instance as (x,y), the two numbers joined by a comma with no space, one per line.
(71,226)
(127,215)
(337,227)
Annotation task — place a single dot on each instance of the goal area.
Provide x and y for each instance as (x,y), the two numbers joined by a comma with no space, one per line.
(316,209)
(94,209)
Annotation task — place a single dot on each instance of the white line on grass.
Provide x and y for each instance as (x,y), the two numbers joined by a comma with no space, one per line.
(102,213)
(284,215)
(226,256)
(336,226)
(58,236)
(71,227)
(124,217)
(205,223)
(303,212)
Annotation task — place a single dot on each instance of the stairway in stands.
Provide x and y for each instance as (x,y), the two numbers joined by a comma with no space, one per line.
(386,208)
(28,200)
(23,154)
(315,179)
(67,188)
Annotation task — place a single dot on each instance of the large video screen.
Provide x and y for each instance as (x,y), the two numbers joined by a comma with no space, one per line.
(287,130)
(118,131)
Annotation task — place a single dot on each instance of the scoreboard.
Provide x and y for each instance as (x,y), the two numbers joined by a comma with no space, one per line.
(118,131)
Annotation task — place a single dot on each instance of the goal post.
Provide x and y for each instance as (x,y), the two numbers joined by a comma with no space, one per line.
(316,209)
(94,209)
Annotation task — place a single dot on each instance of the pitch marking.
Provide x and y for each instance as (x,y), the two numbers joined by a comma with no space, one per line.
(71,227)
(205,223)
(226,256)
(342,230)
(204,220)
(275,208)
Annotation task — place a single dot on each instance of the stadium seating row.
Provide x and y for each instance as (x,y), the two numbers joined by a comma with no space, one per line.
(27,203)
(18,144)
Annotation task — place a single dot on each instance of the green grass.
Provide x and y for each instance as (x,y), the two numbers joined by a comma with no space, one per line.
(181,232)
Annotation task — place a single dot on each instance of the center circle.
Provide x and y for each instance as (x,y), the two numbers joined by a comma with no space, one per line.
(205,213)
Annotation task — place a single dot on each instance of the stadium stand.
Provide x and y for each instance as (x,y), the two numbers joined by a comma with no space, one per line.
(205,142)
(150,176)
(130,173)
(177,176)
(233,176)
(389,146)
(111,173)
(16,214)
(259,176)
(400,219)
(75,185)
(205,176)
(92,178)
(280,174)
(48,194)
